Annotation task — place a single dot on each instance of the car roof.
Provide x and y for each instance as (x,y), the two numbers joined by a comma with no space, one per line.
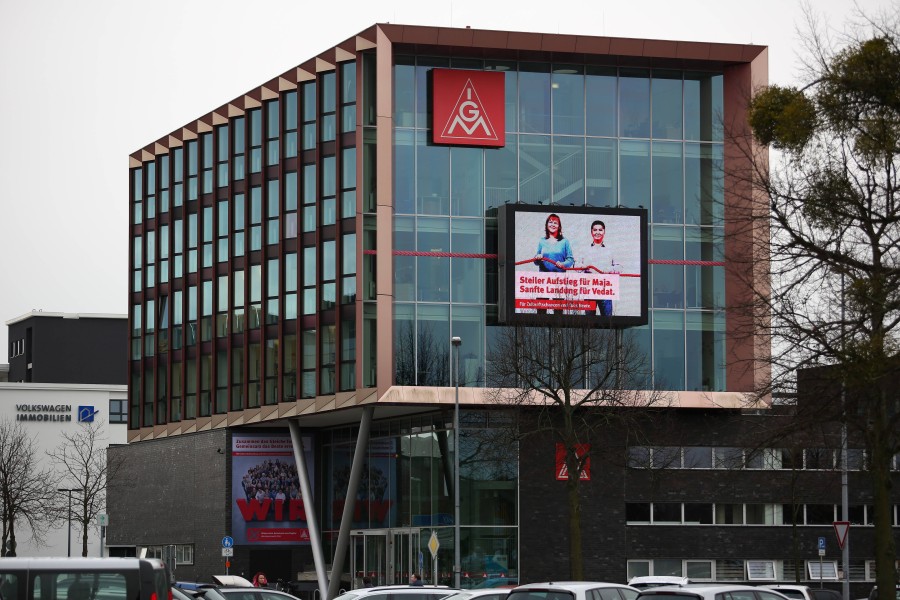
(474,593)
(695,589)
(399,589)
(647,581)
(568,585)
(232,580)
(227,591)
(19,562)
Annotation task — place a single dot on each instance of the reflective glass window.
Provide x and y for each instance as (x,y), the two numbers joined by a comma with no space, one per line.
(467,181)
(432,177)
(468,323)
(404,266)
(467,283)
(704,190)
(634,103)
(404,172)
(601,94)
(568,170)
(404,91)
(705,336)
(501,174)
(601,172)
(534,98)
(668,280)
(433,235)
(665,94)
(668,349)
(704,285)
(668,183)
(634,174)
(433,351)
(567,91)
(534,169)
(703,106)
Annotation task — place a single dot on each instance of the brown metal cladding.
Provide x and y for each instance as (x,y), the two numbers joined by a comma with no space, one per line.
(496,44)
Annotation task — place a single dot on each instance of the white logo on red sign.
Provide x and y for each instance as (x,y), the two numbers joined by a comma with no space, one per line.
(470,117)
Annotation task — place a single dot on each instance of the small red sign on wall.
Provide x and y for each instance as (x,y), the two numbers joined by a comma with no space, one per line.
(562,472)
(468,108)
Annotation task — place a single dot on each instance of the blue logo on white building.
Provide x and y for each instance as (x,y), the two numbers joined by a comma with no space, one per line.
(86,414)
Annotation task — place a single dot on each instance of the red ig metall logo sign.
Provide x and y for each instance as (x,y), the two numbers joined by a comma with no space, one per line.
(468,108)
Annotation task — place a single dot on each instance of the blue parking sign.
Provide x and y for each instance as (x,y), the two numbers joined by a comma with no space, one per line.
(821,543)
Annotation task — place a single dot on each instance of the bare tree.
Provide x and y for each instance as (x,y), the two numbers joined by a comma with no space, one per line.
(574,380)
(832,206)
(25,488)
(81,461)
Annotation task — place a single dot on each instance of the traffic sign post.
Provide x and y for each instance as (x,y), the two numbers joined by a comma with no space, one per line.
(227,551)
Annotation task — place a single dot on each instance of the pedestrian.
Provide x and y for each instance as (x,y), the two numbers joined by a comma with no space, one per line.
(259,580)
(414,580)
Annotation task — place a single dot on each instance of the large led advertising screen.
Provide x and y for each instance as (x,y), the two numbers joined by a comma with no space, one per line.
(573,266)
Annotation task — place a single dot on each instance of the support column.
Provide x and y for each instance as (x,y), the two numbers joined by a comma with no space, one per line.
(343,541)
(308,505)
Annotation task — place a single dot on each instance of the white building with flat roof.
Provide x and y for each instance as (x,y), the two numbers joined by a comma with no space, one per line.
(47,412)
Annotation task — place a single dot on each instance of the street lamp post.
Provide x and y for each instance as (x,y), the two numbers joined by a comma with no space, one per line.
(457,567)
(69,491)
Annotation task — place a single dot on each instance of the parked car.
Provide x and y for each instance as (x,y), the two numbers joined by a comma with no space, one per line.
(695,591)
(397,592)
(648,581)
(797,592)
(573,590)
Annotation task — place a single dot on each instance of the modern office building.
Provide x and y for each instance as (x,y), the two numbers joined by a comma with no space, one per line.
(302,255)
(48,347)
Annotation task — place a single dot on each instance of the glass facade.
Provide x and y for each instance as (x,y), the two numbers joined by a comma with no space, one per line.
(577,135)
(407,484)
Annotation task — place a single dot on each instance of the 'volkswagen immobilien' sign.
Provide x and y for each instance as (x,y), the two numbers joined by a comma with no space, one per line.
(468,108)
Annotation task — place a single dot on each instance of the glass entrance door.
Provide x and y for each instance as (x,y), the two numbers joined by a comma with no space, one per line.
(386,556)
(369,558)
(408,554)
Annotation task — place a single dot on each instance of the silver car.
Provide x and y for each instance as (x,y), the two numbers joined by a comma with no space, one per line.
(711,592)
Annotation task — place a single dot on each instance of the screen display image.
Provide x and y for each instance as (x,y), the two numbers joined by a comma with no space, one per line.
(559,264)
(267,505)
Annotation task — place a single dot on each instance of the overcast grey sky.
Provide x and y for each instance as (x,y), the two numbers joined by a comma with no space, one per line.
(85,83)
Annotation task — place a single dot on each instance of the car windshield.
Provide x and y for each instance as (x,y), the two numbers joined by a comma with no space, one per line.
(791,593)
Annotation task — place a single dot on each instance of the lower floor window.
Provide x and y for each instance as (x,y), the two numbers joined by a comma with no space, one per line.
(182,554)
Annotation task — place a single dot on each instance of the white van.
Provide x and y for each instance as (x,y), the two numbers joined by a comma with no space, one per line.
(83,579)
